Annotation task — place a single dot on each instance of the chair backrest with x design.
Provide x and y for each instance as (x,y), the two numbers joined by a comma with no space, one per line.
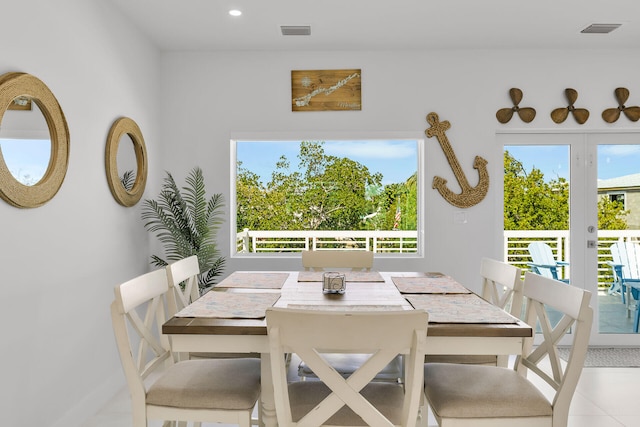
(545,297)
(183,280)
(502,285)
(144,293)
(381,334)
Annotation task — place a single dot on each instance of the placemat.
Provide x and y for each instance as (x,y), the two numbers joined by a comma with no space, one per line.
(230,305)
(254,280)
(430,284)
(346,307)
(350,276)
(459,308)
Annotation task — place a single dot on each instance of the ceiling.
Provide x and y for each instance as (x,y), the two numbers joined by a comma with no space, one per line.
(384,24)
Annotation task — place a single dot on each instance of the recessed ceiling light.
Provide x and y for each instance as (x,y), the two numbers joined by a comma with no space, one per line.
(235,12)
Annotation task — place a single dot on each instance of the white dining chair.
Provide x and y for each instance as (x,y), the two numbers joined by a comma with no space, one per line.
(207,390)
(182,276)
(357,400)
(501,286)
(346,364)
(482,396)
(319,260)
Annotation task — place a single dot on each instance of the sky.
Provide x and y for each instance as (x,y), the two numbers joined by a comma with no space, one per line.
(395,159)
(26,158)
(553,160)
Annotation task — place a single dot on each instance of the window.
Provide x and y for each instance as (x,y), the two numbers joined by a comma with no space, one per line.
(617,198)
(299,194)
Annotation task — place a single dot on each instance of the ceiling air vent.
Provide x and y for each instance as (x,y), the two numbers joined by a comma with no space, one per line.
(600,28)
(295,30)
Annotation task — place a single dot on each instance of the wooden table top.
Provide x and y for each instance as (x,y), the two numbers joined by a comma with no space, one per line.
(381,294)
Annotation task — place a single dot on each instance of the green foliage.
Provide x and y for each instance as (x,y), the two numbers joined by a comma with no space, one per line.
(611,215)
(531,203)
(128,179)
(328,193)
(186,223)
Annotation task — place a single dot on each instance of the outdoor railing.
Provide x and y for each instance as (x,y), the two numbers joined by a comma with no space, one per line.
(516,253)
(271,241)
(397,241)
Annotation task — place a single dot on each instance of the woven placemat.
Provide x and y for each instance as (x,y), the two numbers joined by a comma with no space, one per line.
(254,280)
(429,285)
(459,308)
(230,305)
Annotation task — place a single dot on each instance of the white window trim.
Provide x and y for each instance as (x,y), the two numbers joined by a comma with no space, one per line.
(325,136)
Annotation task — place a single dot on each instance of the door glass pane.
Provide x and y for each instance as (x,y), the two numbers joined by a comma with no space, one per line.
(618,236)
(536,209)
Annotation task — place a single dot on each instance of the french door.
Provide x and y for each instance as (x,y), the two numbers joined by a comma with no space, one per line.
(599,169)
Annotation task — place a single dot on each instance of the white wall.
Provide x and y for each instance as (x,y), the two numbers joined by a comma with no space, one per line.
(207,97)
(60,262)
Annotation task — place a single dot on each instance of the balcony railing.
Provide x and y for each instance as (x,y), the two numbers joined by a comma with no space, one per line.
(397,241)
(272,241)
(516,253)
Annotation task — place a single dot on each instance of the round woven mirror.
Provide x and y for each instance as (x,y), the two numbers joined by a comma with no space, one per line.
(126,131)
(16,91)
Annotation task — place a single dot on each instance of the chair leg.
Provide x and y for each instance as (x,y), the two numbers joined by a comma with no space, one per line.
(636,320)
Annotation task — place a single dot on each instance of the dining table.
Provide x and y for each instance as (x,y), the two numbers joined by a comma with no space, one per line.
(231,316)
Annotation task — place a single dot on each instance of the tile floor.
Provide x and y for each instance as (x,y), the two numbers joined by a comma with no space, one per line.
(613,315)
(605,397)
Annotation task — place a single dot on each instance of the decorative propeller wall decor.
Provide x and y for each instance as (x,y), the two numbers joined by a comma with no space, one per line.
(610,115)
(526,114)
(581,115)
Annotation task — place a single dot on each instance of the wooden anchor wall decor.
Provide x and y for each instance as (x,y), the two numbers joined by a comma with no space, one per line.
(469,196)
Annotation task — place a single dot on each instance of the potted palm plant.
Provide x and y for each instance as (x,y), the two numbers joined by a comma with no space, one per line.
(186,223)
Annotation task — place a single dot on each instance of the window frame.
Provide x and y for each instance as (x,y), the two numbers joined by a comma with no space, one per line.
(618,193)
(326,136)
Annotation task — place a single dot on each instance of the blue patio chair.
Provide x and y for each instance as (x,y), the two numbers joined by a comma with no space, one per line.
(626,272)
(543,261)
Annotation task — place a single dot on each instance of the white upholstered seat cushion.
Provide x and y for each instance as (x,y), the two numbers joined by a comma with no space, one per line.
(462,392)
(208,384)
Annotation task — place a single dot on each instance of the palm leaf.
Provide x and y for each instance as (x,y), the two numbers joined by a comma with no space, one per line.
(186,224)
(128,179)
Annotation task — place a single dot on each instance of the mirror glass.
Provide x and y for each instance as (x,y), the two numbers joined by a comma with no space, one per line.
(25,141)
(126,161)
(35,116)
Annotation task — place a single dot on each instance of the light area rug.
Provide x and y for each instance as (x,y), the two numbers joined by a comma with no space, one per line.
(606,357)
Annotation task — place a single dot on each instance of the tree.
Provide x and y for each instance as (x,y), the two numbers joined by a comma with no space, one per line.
(324,193)
(611,215)
(532,203)
(327,194)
